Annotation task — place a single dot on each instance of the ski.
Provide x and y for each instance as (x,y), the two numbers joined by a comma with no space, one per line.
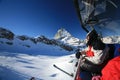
(70,74)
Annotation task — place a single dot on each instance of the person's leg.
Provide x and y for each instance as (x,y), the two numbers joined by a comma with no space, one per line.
(84,75)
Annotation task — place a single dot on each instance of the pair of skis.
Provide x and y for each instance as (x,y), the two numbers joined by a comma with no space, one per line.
(75,75)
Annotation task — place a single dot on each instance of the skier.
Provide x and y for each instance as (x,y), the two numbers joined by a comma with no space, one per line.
(95,57)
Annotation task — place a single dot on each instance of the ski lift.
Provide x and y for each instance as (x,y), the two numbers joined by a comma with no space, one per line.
(98,14)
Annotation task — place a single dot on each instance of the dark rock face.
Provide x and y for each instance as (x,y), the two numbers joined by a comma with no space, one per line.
(4,33)
(53,42)
(23,37)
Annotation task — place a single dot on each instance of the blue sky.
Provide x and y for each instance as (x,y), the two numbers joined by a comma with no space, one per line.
(40,17)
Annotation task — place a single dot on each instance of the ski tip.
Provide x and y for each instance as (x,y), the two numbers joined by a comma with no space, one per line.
(54,65)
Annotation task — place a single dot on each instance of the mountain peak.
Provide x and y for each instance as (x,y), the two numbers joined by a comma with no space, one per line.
(62,33)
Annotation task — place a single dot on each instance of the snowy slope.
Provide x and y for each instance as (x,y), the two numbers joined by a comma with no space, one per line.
(30,48)
(23,67)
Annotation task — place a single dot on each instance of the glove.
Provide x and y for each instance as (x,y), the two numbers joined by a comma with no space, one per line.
(77,55)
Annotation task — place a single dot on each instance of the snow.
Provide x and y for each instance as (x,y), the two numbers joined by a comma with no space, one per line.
(24,66)
(61,33)
(18,62)
(34,49)
(111,39)
(64,36)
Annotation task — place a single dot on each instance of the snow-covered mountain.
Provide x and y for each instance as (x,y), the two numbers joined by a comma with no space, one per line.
(62,33)
(111,39)
(9,42)
(64,36)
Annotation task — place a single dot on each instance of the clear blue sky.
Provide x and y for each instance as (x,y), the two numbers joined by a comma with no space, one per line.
(40,17)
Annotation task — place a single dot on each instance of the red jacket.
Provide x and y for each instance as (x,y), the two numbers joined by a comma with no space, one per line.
(112,70)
